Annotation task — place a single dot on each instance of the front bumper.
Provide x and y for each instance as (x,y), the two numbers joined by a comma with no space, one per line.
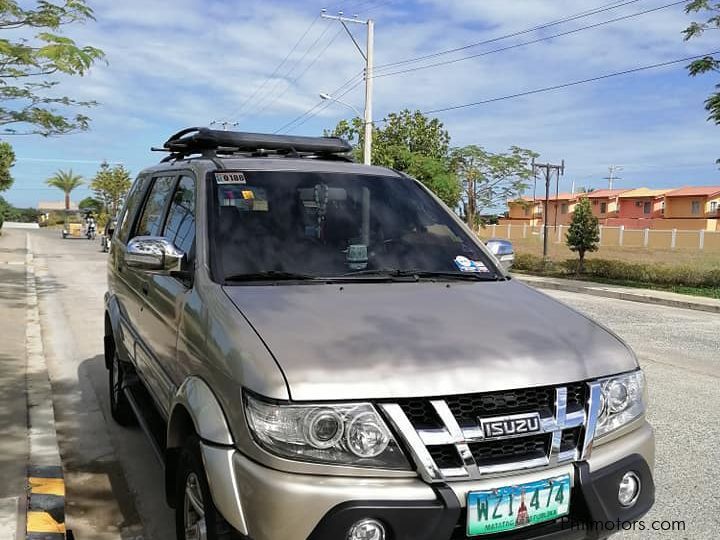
(282,506)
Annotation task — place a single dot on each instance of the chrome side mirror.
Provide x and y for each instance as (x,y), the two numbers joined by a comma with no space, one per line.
(503,251)
(153,254)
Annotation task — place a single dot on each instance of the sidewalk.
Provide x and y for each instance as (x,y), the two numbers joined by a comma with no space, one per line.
(646,296)
(14,447)
(32,491)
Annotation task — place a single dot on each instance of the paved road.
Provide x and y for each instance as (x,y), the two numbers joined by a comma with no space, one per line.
(115,484)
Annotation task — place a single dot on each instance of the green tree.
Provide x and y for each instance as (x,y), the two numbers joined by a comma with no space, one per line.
(412,143)
(91,204)
(489,179)
(707,64)
(110,186)
(7,160)
(584,234)
(30,63)
(65,181)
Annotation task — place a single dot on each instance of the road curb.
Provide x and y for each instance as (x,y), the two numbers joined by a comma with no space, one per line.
(598,290)
(45,507)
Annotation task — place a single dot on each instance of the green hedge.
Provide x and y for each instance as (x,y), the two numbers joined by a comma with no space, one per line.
(658,274)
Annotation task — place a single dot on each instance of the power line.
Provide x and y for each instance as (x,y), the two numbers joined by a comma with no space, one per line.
(302,73)
(525,43)
(275,85)
(580,15)
(326,105)
(276,70)
(352,83)
(568,84)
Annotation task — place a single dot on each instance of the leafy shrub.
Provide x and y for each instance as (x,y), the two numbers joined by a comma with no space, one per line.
(647,273)
(528,262)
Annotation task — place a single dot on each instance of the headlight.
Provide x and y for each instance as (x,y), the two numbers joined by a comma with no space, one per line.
(623,398)
(336,434)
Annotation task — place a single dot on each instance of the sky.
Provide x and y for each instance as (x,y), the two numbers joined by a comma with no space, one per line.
(184,63)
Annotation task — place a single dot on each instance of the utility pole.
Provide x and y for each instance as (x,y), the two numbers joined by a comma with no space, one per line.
(369,58)
(548,169)
(613,169)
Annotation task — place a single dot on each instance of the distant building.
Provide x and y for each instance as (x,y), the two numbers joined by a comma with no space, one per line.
(604,202)
(56,206)
(641,203)
(687,208)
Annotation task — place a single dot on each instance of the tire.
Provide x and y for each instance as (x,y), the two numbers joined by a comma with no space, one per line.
(191,479)
(120,408)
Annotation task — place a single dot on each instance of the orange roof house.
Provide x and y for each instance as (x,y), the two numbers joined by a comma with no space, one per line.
(641,203)
(693,202)
(604,202)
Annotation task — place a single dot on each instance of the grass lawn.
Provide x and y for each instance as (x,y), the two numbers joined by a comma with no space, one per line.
(666,257)
(684,271)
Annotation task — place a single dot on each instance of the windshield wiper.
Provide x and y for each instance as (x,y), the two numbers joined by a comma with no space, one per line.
(271,275)
(420,274)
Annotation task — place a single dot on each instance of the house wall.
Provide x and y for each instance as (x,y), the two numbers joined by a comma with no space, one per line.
(681,207)
(519,211)
(555,209)
(630,210)
(610,207)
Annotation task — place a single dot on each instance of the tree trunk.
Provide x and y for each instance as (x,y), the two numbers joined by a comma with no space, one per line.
(67,200)
(581,263)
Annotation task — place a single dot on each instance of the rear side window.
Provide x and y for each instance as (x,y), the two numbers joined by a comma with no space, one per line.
(134,199)
(180,223)
(151,219)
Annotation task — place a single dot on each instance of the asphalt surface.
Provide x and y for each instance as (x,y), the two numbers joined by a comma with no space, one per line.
(115,483)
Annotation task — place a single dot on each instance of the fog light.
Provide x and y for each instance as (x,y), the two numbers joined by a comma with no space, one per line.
(367,529)
(629,489)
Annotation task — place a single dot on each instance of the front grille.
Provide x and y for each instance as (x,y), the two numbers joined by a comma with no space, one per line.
(570,439)
(446,433)
(500,451)
(446,456)
(468,407)
(420,413)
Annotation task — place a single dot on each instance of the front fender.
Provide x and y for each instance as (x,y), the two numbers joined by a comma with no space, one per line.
(196,397)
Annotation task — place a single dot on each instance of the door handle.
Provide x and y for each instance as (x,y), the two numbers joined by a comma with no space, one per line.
(145,288)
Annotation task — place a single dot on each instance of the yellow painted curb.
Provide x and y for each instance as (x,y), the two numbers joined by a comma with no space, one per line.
(42,522)
(47,486)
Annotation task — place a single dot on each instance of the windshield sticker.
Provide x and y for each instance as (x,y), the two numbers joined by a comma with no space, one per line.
(260,206)
(244,198)
(229,178)
(466,265)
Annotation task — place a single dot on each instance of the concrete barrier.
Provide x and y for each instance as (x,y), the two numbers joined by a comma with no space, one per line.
(19,225)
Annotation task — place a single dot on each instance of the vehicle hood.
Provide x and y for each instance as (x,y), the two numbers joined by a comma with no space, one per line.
(389,340)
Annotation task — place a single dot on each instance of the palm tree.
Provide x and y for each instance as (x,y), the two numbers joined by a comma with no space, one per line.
(66,181)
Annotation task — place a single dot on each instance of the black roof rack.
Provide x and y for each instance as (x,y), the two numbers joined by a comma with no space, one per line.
(213,142)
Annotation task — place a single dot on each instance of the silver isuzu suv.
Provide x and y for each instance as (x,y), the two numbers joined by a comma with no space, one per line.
(322,350)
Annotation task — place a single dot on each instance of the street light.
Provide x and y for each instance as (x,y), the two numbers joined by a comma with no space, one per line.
(328,97)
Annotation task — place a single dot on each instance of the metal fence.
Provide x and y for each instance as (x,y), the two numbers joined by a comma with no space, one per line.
(618,237)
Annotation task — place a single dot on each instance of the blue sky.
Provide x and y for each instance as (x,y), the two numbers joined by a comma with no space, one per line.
(187,62)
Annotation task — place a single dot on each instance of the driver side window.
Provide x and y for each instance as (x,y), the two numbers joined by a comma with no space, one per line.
(151,218)
(180,223)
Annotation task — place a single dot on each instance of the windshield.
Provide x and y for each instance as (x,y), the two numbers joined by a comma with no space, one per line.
(306,225)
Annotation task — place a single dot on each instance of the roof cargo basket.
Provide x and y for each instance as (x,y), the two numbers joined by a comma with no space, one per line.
(212,142)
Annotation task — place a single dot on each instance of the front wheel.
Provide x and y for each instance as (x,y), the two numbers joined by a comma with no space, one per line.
(196,517)
(120,408)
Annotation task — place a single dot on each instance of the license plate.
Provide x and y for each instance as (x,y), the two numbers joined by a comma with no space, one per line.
(513,507)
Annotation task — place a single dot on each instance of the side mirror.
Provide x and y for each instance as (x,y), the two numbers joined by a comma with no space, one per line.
(153,254)
(503,250)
